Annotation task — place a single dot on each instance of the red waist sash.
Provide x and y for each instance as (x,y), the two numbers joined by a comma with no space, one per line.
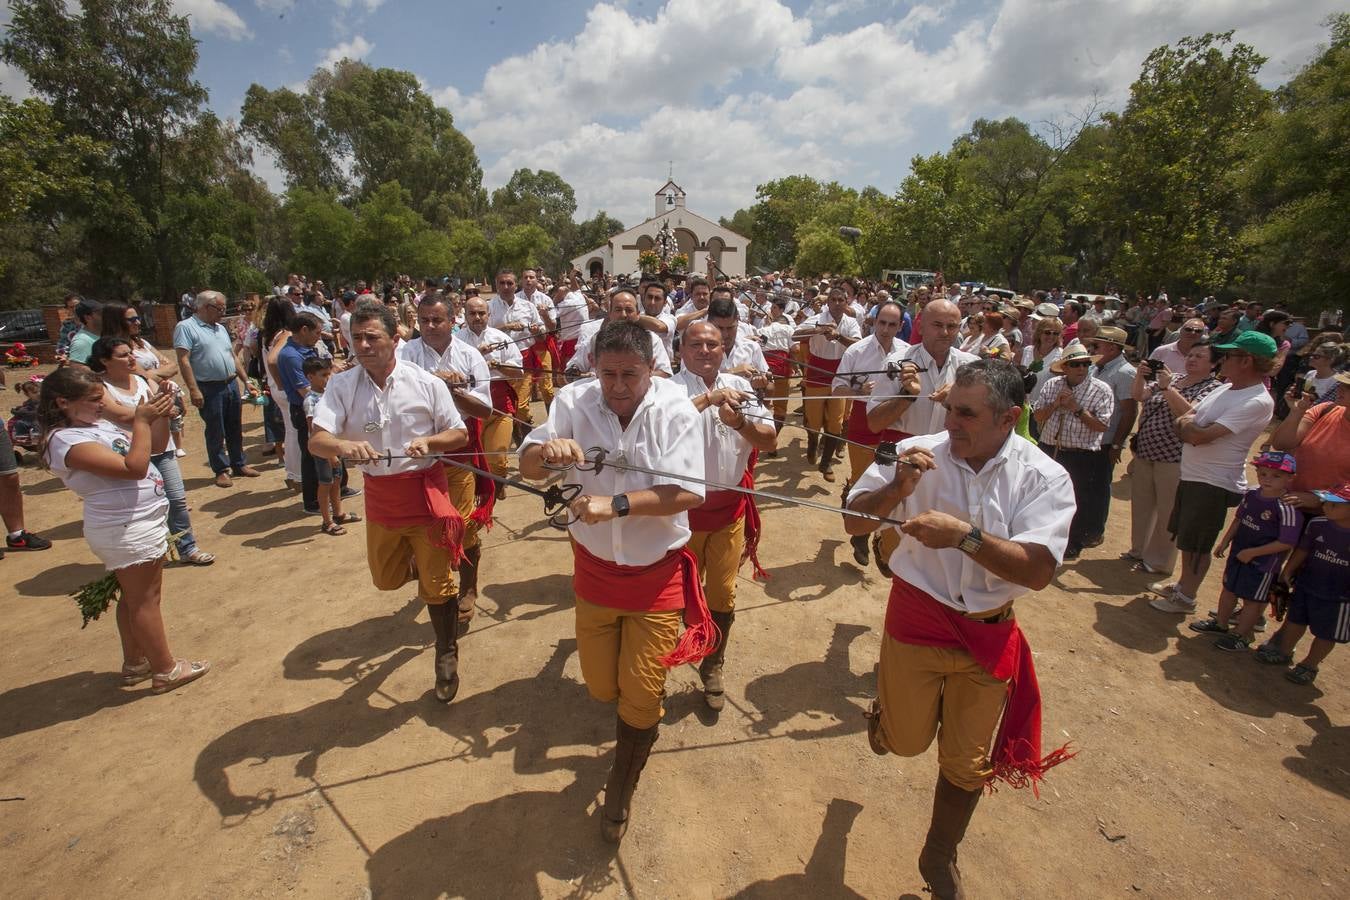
(566,350)
(779,362)
(484,488)
(532,358)
(1001,649)
(417,498)
(503,396)
(671,582)
(815,376)
(721,508)
(860,433)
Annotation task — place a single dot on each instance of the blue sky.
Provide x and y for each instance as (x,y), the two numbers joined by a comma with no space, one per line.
(734,92)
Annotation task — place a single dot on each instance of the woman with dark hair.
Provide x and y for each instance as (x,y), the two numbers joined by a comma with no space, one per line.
(278,320)
(1275,323)
(124,507)
(123,321)
(124,390)
(1155,468)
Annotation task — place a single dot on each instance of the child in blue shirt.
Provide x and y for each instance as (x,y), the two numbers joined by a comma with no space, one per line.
(1319,570)
(1264,529)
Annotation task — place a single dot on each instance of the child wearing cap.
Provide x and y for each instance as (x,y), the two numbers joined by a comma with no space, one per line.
(1319,571)
(1263,530)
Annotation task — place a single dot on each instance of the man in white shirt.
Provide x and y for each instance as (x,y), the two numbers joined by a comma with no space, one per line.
(986,519)
(913,403)
(570,310)
(623,306)
(776,336)
(654,316)
(519,318)
(1216,438)
(542,355)
(725,527)
(696,307)
(466,374)
(503,360)
(634,579)
(828,334)
(385,406)
(741,355)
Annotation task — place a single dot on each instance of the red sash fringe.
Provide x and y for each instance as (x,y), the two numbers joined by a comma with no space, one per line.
(859,433)
(815,376)
(566,350)
(484,488)
(417,498)
(1001,649)
(532,360)
(669,583)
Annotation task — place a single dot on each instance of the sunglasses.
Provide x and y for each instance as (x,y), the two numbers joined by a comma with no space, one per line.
(133,318)
(1077,364)
(1194,330)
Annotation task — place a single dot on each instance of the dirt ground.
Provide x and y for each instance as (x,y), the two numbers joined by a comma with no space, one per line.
(314,760)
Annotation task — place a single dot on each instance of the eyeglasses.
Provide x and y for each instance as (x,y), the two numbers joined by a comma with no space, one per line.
(1078,364)
(134,319)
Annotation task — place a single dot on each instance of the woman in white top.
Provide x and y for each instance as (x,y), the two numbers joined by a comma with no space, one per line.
(989,340)
(124,510)
(124,390)
(1041,353)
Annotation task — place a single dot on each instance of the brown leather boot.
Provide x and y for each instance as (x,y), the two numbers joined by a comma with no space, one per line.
(468,583)
(630,756)
(711,668)
(952,809)
(827,447)
(447,650)
(812,442)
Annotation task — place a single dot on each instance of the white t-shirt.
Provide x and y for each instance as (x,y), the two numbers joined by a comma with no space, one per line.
(1223,462)
(569,313)
(107,501)
(140,390)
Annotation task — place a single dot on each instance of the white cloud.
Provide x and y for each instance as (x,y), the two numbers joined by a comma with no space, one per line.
(213,16)
(276,6)
(356,48)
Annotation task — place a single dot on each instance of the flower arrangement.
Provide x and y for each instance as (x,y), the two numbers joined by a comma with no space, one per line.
(679,262)
(649,261)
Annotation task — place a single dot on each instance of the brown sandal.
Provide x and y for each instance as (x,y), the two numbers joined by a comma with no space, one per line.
(873,717)
(334,528)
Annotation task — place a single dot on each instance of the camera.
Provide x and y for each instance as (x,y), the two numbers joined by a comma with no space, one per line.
(1151,369)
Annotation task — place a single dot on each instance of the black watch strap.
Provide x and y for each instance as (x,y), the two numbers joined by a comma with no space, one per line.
(620,505)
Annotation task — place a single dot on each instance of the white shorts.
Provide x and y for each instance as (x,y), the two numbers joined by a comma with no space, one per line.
(129,544)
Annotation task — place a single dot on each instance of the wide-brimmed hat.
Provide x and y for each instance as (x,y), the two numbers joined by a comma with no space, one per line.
(1047,311)
(1112,335)
(1343,378)
(1073,352)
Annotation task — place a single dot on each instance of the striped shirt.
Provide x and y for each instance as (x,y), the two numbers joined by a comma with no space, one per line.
(1064,429)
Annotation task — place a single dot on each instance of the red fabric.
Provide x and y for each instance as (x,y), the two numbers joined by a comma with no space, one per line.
(417,498)
(1001,649)
(669,583)
(484,488)
(753,526)
(503,397)
(859,433)
(566,350)
(721,508)
(815,364)
(779,362)
(532,359)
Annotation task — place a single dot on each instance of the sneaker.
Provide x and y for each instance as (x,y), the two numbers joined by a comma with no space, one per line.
(1233,643)
(27,541)
(1132,556)
(1272,656)
(350,492)
(179,453)
(1175,602)
(1163,588)
(1208,626)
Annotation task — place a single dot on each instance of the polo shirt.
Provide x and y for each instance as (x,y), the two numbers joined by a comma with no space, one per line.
(291,365)
(210,349)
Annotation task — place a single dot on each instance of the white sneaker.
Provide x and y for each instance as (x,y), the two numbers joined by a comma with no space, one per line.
(180,453)
(1176,602)
(1163,588)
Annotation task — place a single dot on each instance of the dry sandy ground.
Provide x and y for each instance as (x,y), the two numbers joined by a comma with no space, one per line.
(313,761)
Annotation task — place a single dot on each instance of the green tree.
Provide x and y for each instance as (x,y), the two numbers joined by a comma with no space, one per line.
(938,217)
(819,252)
(518,247)
(1169,182)
(391,238)
(784,206)
(321,231)
(1298,184)
(594,232)
(470,251)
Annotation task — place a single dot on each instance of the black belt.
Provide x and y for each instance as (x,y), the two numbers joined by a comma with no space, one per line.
(992,620)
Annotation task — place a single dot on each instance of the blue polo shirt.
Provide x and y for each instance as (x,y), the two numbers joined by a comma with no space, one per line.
(210,349)
(291,365)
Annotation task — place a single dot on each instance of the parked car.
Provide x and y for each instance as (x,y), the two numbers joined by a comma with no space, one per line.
(22,325)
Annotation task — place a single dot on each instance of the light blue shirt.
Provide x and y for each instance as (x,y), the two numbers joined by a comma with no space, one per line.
(210,349)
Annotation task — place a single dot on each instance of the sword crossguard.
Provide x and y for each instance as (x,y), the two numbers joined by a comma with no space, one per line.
(887,455)
(596,460)
(557,504)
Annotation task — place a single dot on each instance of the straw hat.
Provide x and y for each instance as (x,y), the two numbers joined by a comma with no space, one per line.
(1071,353)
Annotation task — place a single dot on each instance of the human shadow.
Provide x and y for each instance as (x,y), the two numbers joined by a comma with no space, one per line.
(820,690)
(266,519)
(66,531)
(68,698)
(348,720)
(820,575)
(237,501)
(1108,576)
(1322,761)
(286,537)
(197,484)
(61,580)
(824,872)
(355,646)
(500,847)
(46,486)
(543,595)
(1134,625)
(1234,680)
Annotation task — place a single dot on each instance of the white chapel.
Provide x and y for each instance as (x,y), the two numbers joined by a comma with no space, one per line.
(700,239)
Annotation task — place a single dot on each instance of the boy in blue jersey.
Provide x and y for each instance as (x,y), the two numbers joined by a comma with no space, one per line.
(1264,529)
(1319,570)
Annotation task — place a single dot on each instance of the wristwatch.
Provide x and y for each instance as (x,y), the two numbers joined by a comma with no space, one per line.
(619,504)
(972,542)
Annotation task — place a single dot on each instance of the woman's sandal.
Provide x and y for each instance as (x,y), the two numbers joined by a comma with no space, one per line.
(182,672)
(199,558)
(334,528)
(346,518)
(873,717)
(134,675)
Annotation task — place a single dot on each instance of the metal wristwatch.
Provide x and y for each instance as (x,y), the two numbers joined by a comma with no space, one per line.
(619,504)
(972,542)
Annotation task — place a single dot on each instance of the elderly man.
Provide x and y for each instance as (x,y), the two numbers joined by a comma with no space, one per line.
(1225,327)
(214,377)
(986,519)
(734,424)
(386,406)
(827,335)
(457,363)
(1173,355)
(1115,372)
(623,307)
(634,578)
(503,358)
(1216,436)
(1073,412)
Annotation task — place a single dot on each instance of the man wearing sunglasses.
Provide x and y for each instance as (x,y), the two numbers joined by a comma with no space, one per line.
(1173,355)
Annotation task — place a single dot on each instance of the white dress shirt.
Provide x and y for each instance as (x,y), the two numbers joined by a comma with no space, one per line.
(583,359)
(501,313)
(867,355)
(570,313)
(725,452)
(777,336)
(746,353)
(413,404)
(505,353)
(460,357)
(665,433)
(923,415)
(1020,495)
(821,346)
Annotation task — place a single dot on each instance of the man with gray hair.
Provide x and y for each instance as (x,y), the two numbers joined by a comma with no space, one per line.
(215,380)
